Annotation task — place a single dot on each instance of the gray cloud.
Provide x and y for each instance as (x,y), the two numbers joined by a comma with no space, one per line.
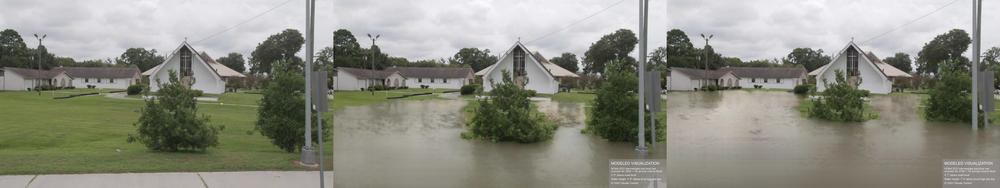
(427,29)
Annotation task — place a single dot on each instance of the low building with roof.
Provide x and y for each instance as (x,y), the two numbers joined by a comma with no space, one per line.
(12,78)
(352,79)
(688,79)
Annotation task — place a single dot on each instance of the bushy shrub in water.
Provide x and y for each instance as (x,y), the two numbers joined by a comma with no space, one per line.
(841,101)
(616,108)
(802,89)
(469,89)
(170,121)
(281,115)
(508,116)
(949,99)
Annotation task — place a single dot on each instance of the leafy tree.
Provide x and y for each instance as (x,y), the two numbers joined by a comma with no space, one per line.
(807,58)
(841,101)
(991,62)
(277,47)
(139,57)
(947,46)
(13,51)
(567,61)
(949,99)
(233,61)
(170,122)
(901,61)
(679,50)
(616,107)
(41,56)
(508,116)
(281,116)
(614,46)
(474,58)
(347,50)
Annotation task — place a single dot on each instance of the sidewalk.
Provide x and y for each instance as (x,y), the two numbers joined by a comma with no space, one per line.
(171,179)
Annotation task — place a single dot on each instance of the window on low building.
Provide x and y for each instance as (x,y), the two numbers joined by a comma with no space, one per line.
(445,80)
(753,80)
(777,80)
(111,80)
(420,80)
(98,80)
(86,80)
(432,80)
(1,73)
(765,80)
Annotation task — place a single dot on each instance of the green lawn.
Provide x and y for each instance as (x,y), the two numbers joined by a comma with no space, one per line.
(88,135)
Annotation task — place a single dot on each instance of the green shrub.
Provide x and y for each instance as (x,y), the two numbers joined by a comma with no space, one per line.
(134,89)
(469,89)
(616,108)
(281,115)
(170,122)
(198,93)
(509,116)
(841,101)
(949,99)
(802,89)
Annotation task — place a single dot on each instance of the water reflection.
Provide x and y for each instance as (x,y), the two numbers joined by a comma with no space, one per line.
(417,144)
(758,139)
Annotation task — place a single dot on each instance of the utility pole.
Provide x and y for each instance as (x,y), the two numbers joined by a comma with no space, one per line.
(39,57)
(704,74)
(372,58)
(308,154)
(642,76)
(976,21)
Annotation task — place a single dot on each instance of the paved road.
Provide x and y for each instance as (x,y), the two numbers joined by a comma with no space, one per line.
(171,179)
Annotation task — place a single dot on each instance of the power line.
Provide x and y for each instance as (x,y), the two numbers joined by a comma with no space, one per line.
(910,22)
(243,22)
(577,22)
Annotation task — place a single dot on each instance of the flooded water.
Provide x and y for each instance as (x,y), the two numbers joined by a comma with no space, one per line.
(758,139)
(417,144)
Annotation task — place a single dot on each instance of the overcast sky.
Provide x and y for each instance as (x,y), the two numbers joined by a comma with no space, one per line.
(749,29)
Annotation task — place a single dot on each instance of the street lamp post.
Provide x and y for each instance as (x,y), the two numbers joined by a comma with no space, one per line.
(39,57)
(704,75)
(308,154)
(641,70)
(371,56)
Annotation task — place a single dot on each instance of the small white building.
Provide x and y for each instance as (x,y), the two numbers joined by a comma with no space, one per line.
(861,69)
(78,77)
(687,79)
(353,79)
(530,71)
(196,70)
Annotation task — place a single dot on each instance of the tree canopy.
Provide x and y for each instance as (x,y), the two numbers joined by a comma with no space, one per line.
(947,46)
(277,47)
(807,58)
(139,57)
(233,61)
(567,61)
(614,46)
(475,58)
(901,61)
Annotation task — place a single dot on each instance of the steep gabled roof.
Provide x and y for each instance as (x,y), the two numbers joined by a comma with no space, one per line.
(219,68)
(156,69)
(884,68)
(700,73)
(553,69)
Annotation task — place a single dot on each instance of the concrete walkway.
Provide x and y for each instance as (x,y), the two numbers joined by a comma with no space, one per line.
(253,179)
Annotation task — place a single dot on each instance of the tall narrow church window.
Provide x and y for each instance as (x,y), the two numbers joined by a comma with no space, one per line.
(519,62)
(852,62)
(185,62)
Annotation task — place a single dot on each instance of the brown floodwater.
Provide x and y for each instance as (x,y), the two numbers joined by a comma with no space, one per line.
(758,139)
(405,143)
